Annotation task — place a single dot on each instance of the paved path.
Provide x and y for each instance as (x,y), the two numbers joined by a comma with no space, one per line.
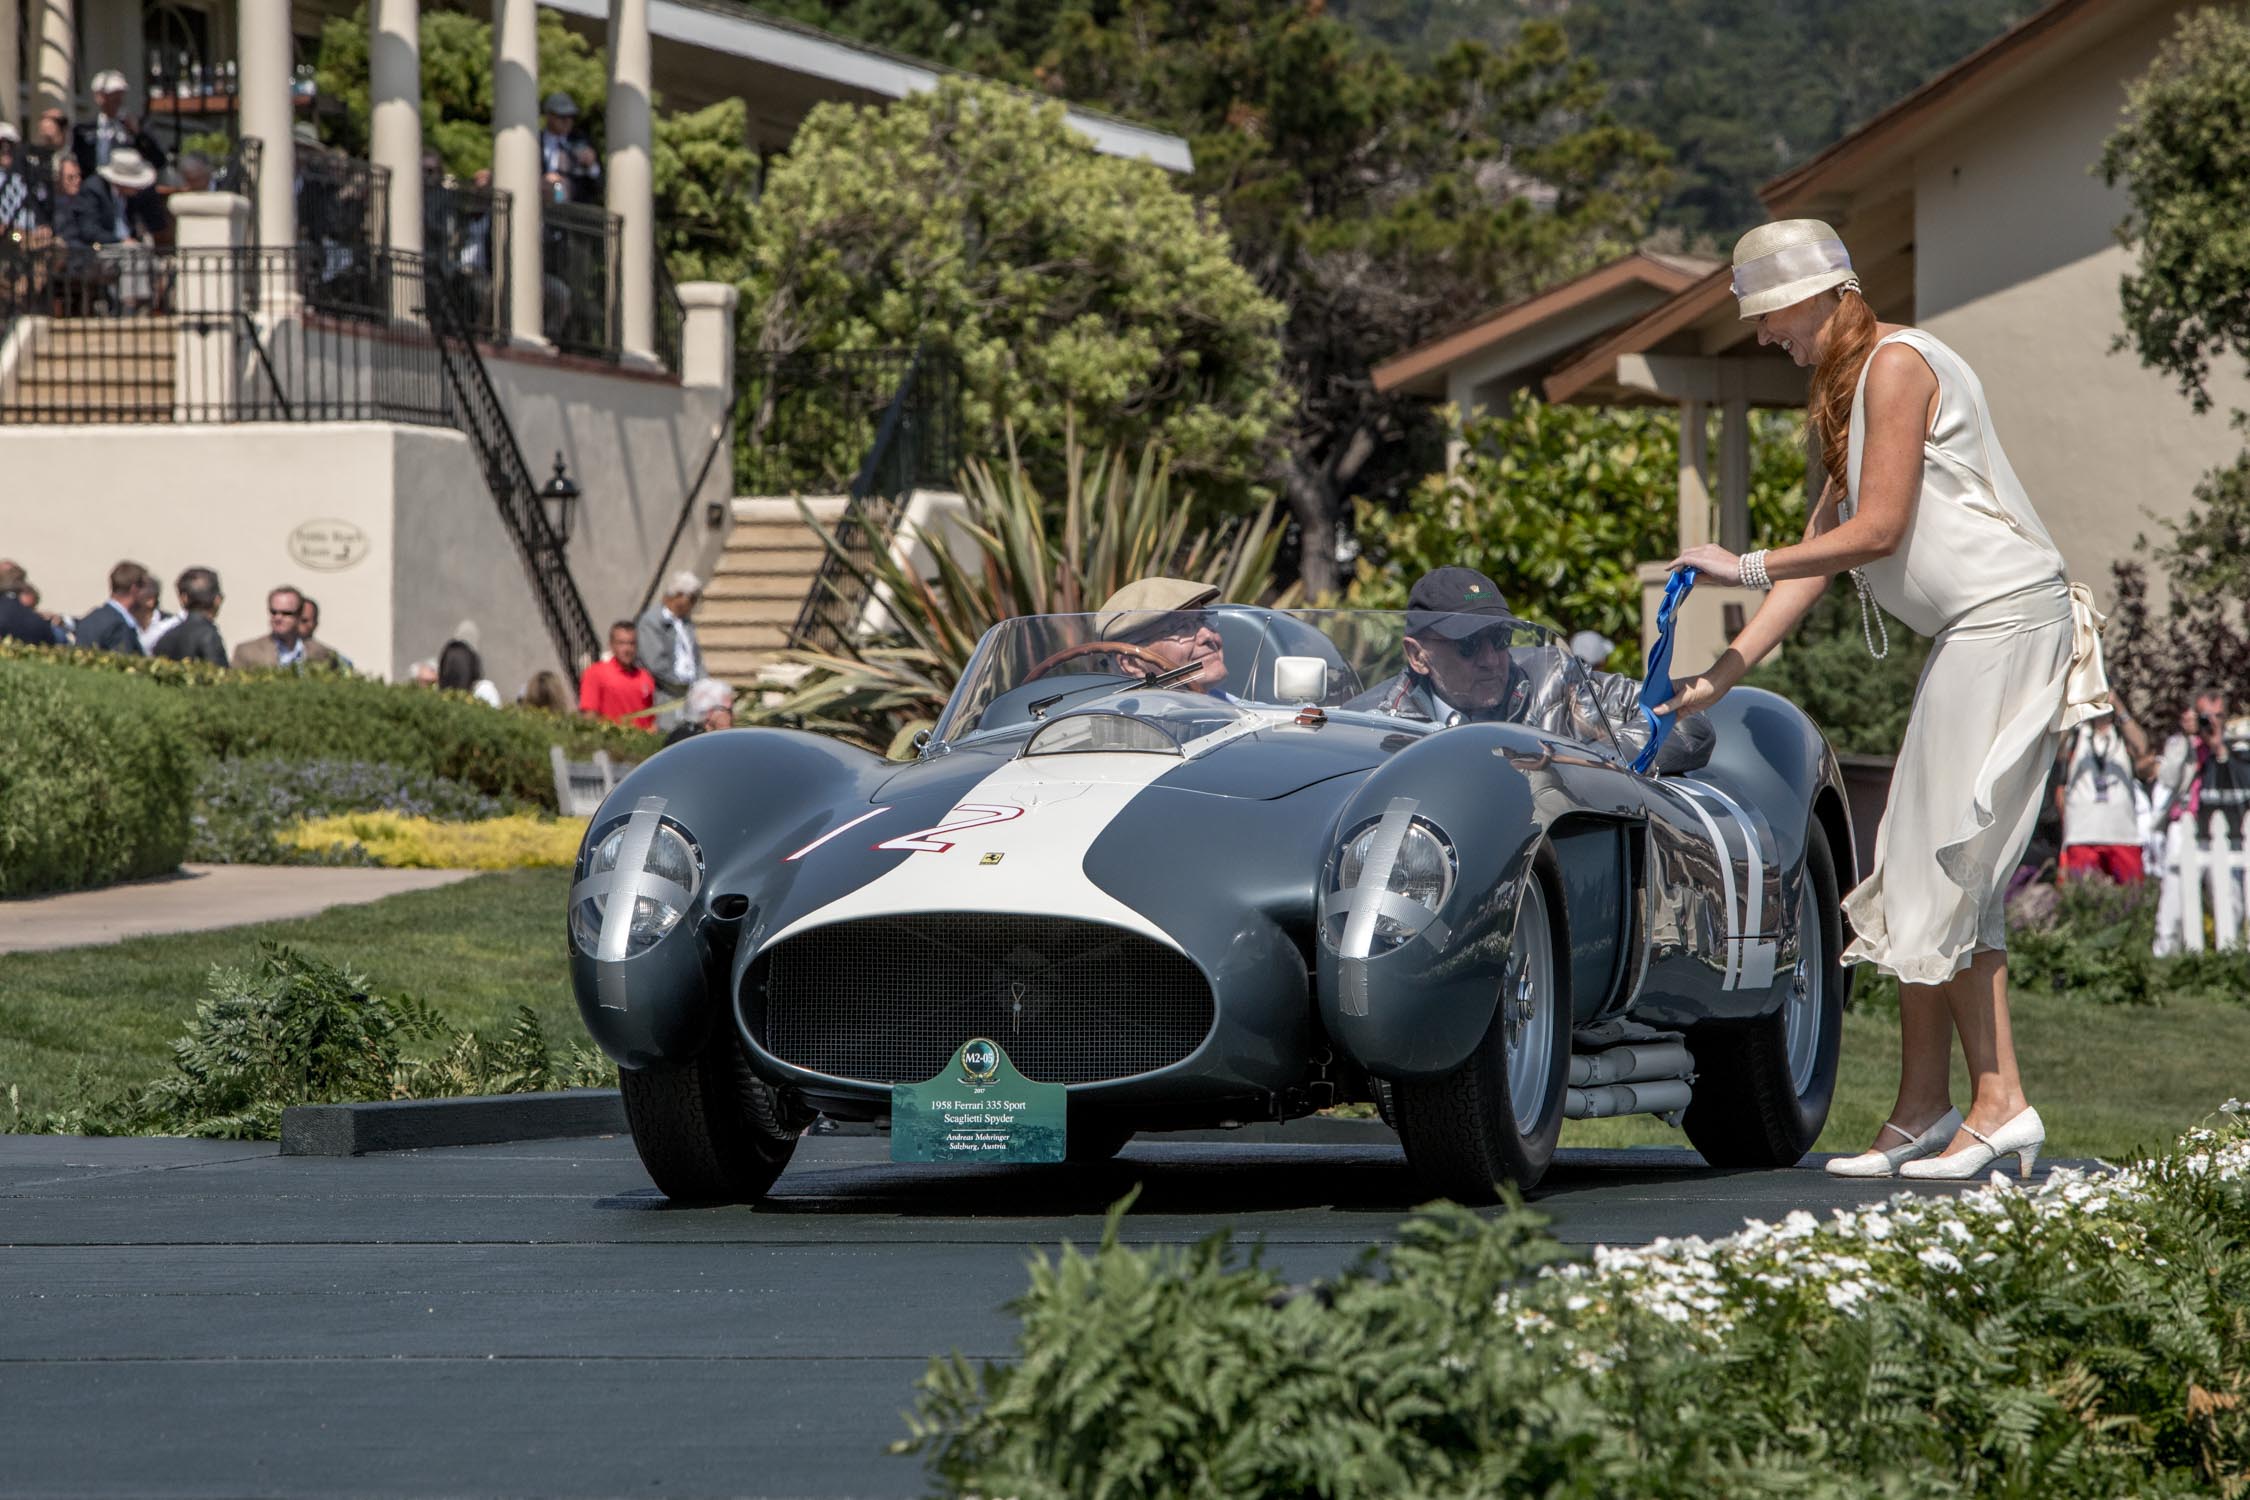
(199,898)
(202,1318)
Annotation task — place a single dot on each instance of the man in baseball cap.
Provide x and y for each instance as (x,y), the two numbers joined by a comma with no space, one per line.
(1166,620)
(95,141)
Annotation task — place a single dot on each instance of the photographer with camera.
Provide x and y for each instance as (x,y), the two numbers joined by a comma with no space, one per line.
(2204,770)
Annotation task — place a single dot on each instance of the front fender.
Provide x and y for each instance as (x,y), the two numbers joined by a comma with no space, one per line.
(745,798)
(1419,1010)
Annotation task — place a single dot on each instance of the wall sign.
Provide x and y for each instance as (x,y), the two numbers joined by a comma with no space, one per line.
(327,546)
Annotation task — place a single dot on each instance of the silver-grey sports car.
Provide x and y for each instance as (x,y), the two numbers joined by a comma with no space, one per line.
(1234,864)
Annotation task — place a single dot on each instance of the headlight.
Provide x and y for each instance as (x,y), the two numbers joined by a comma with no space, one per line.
(1411,868)
(662,884)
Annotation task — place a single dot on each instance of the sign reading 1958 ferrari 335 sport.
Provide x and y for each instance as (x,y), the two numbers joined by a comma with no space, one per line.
(1231,864)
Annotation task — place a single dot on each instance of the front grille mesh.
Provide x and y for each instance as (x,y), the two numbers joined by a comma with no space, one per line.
(888,999)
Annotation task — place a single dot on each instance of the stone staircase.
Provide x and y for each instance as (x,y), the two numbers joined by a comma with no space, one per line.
(74,370)
(759,585)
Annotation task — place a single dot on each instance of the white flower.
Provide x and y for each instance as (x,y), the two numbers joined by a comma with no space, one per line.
(1939,1260)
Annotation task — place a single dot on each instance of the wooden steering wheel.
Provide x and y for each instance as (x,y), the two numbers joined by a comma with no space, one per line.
(1089,648)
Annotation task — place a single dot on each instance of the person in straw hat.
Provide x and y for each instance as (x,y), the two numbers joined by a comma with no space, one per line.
(1916,499)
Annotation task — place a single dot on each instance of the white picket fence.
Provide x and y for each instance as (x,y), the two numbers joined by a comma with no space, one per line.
(2208,875)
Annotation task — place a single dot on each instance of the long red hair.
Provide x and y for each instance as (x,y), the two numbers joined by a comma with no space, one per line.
(1835,380)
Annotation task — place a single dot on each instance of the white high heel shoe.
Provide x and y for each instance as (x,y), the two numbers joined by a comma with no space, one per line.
(2023,1135)
(1882,1163)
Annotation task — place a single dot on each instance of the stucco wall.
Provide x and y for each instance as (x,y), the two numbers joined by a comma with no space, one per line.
(76,500)
(2017,267)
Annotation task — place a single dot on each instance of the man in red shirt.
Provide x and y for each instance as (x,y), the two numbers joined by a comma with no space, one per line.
(618,687)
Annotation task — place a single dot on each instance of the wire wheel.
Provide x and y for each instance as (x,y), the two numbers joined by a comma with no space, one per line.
(1527,1012)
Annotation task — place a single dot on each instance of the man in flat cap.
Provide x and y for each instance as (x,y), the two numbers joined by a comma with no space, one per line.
(567,164)
(1165,619)
(1460,670)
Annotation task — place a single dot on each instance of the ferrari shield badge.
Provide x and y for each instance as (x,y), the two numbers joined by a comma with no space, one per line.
(979,1109)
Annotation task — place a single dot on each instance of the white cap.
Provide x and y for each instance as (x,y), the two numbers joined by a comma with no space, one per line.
(9,132)
(683,582)
(108,81)
(1780,264)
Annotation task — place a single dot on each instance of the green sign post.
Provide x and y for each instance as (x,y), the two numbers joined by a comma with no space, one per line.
(980,1109)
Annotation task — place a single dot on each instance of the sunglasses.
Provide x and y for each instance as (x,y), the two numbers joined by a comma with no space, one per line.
(1490,643)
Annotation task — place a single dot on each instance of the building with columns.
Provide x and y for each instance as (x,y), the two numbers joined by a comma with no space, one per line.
(330,374)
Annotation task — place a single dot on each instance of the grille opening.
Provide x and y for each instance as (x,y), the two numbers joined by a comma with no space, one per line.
(888,999)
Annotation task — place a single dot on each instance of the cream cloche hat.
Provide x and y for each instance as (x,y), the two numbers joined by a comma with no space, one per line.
(1782,263)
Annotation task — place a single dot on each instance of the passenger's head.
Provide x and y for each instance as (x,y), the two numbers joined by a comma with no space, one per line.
(1165,620)
(1458,631)
(710,703)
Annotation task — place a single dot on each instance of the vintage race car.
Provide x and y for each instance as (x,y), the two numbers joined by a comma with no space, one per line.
(1283,877)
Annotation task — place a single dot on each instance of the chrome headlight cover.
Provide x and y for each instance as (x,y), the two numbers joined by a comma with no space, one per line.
(1417,877)
(665,877)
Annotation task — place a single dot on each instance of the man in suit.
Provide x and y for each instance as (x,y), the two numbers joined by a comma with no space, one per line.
(284,644)
(668,647)
(196,638)
(113,625)
(18,620)
(93,140)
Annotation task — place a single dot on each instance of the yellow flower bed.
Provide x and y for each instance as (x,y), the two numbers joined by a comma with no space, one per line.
(518,842)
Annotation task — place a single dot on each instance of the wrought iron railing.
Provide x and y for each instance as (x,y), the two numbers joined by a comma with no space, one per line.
(465,236)
(807,421)
(343,203)
(670,318)
(916,440)
(578,255)
(485,422)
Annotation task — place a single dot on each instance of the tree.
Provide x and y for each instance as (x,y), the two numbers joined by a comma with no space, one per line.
(972,219)
(2183,154)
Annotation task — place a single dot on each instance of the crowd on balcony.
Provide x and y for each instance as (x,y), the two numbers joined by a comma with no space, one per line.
(652,676)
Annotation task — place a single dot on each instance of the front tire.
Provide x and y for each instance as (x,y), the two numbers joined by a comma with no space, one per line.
(1495,1119)
(1763,1088)
(712,1131)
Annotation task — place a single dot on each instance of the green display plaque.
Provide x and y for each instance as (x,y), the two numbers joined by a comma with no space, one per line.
(980,1109)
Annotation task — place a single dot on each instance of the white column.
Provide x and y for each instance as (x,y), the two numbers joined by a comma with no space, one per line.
(55,84)
(1695,476)
(266,69)
(394,76)
(515,158)
(707,335)
(11,66)
(209,227)
(630,174)
(1734,474)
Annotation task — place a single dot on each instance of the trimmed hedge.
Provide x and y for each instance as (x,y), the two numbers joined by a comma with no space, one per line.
(91,791)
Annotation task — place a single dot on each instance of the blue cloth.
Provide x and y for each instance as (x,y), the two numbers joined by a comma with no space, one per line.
(1656,681)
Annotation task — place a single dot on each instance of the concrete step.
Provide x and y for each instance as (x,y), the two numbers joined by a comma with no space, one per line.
(731,585)
(94,336)
(754,509)
(771,562)
(764,635)
(110,364)
(781,610)
(766,536)
(149,379)
(83,415)
(739,665)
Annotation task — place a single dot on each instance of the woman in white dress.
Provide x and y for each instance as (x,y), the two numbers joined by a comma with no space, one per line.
(1917,498)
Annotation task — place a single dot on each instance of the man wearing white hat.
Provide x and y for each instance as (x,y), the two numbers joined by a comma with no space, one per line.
(94,141)
(140,221)
(1917,500)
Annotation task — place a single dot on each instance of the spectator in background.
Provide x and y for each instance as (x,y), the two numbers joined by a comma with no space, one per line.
(23,197)
(546,690)
(96,142)
(568,167)
(85,218)
(461,670)
(667,643)
(424,673)
(112,625)
(2098,797)
(196,637)
(143,223)
(283,644)
(151,616)
(18,620)
(710,705)
(618,687)
(195,171)
(308,621)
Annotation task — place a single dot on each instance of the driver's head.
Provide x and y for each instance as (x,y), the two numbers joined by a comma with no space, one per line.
(1457,635)
(1164,617)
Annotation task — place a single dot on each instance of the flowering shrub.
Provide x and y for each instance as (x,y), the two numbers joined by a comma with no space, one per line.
(2090,1337)
(243,807)
(519,841)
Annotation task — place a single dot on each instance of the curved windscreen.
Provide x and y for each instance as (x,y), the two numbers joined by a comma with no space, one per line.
(1197,670)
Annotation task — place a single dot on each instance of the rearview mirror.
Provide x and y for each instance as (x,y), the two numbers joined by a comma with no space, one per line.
(1300,679)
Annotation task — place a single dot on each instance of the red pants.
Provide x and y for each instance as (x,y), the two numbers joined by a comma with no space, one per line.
(2120,862)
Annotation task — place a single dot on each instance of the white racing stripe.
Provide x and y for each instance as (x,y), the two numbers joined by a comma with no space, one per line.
(1726,878)
(1067,801)
(1750,961)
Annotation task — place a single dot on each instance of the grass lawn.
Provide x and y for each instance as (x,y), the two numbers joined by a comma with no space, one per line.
(84,1023)
(87,1022)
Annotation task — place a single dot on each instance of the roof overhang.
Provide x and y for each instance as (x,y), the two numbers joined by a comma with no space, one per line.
(807,64)
(1538,328)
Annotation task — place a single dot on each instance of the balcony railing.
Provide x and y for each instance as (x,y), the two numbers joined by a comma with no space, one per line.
(578,257)
(808,421)
(465,235)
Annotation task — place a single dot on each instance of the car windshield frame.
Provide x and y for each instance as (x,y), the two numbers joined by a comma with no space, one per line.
(1531,678)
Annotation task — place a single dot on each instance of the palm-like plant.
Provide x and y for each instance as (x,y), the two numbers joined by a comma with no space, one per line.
(1116,521)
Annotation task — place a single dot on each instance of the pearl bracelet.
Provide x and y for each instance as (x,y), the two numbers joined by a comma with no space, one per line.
(1754,570)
